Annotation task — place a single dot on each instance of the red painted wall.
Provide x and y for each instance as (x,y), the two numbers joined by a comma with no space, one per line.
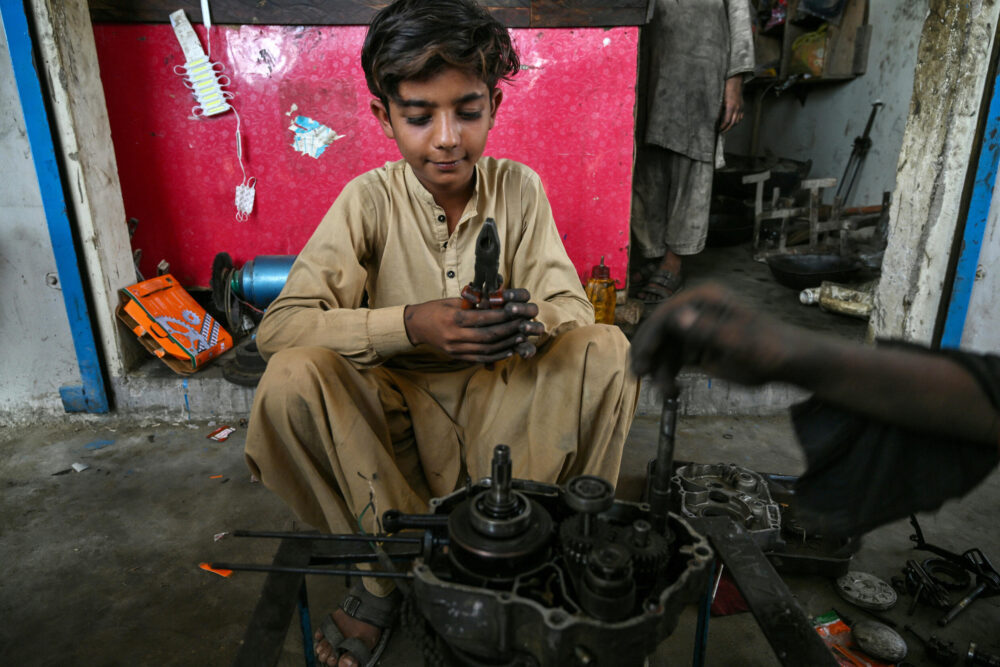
(568,115)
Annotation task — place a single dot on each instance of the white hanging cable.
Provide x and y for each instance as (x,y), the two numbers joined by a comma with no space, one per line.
(206,81)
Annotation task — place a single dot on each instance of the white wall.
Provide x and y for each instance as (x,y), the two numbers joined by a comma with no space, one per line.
(36,348)
(824,129)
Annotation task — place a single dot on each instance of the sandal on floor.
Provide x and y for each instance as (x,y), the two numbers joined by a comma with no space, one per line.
(662,285)
(367,608)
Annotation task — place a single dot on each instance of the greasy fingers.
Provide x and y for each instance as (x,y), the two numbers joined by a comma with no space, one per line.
(519,309)
(531,327)
(516,295)
(525,350)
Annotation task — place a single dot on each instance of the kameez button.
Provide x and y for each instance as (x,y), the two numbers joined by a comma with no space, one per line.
(451,274)
(441,218)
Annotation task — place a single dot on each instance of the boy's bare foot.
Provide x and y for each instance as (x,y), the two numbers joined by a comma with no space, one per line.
(350,627)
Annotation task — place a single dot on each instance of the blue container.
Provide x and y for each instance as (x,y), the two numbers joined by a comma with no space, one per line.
(261,279)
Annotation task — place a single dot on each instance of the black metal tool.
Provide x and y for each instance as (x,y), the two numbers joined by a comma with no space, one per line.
(922,587)
(941,652)
(973,560)
(663,467)
(862,145)
(987,583)
(484,292)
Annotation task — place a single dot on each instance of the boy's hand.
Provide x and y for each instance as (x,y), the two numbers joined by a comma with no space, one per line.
(478,336)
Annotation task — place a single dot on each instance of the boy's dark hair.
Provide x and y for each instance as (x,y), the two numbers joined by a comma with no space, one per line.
(416,39)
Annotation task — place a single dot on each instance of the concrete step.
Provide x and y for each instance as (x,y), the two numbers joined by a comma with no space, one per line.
(155,392)
(702,395)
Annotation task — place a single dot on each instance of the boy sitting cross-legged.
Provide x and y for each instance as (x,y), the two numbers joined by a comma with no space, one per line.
(365,409)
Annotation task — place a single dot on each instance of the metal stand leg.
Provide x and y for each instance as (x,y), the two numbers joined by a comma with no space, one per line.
(306,625)
(704,615)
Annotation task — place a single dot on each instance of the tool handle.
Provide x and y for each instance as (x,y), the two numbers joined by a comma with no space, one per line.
(963,603)
(471,297)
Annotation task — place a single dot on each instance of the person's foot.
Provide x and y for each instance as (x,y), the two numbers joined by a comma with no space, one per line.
(350,627)
(665,281)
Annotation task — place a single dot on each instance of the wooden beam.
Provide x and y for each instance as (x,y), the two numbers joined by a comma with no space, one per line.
(591,13)
(512,13)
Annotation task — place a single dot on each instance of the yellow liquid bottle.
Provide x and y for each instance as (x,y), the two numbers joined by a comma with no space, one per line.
(601,293)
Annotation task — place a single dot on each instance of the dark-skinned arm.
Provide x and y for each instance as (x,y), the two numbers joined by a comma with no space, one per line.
(912,389)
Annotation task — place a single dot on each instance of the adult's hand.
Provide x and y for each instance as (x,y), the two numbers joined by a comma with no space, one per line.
(478,336)
(732,103)
(706,327)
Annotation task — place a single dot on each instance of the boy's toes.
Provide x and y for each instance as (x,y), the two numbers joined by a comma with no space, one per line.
(324,652)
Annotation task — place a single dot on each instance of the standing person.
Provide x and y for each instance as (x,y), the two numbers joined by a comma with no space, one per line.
(368,408)
(696,56)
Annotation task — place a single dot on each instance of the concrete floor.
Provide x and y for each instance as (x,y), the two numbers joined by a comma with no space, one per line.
(101,565)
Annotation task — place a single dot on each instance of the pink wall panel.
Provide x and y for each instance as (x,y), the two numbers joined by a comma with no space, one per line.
(568,115)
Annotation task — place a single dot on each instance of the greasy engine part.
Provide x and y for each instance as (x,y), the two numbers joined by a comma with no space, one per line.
(729,490)
(599,588)
(519,573)
(499,532)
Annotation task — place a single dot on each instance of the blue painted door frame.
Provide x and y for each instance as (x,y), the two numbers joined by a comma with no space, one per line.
(92,395)
(975,226)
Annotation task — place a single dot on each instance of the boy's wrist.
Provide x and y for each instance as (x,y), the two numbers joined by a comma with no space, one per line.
(407,325)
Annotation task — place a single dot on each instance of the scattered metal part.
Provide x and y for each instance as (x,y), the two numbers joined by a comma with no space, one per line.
(941,652)
(987,583)
(879,641)
(976,657)
(701,490)
(972,560)
(866,591)
(947,574)
(781,619)
(922,587)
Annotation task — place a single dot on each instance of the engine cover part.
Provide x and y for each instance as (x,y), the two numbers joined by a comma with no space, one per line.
(702,490)
(866,590)
(879,641)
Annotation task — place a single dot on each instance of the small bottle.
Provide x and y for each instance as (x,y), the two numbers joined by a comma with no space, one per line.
(601,293)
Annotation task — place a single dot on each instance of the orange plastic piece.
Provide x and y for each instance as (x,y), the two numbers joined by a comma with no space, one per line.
(209,568)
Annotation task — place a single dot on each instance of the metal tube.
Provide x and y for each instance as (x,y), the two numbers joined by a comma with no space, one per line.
(309,570)
(328,536)
(501,473)
(663,468)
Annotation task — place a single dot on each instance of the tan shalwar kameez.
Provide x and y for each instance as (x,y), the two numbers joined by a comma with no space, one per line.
(350,419)
(691,47)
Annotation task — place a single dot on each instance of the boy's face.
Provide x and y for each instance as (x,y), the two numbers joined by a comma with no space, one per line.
(440,126)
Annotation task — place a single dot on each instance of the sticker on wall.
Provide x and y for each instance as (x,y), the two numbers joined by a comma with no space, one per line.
(311,136)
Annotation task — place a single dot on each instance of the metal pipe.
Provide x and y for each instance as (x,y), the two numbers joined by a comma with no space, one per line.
(663,468)
(309,570)
(328,536)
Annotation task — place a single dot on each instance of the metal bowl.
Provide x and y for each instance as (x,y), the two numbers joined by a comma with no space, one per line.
(809,270)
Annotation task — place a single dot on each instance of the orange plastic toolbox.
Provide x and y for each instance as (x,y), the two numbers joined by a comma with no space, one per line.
(171,324)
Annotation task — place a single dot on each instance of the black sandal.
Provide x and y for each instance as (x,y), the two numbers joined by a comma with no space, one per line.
(367,608)
(662,285)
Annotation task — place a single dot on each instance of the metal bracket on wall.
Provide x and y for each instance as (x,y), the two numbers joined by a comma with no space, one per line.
(92,396)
